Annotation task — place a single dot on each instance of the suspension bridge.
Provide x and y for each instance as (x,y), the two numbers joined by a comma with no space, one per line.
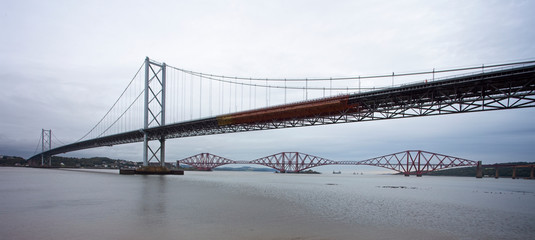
(163,102)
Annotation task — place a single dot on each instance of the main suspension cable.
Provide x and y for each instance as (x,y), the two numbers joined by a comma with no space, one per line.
(59,141)
(38,142)
(115,103)
(353,77)
(122,114)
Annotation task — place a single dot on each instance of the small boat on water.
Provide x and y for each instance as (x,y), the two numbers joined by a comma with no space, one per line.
(339,172)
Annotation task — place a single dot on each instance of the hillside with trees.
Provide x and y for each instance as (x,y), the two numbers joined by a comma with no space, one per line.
(12,161)
(521,172)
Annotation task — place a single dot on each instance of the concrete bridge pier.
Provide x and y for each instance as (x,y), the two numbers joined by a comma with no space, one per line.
(497,174)
(514,173)
(531,173)
(479,170)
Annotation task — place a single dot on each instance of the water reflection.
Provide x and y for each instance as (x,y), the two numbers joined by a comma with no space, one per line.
(152,204)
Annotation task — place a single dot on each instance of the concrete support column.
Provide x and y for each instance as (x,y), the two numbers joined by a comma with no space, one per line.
(531,173)
(162,151)
(514,173)
(497,174)
(479,170)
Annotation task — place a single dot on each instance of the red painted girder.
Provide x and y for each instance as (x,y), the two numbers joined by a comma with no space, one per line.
(292,161)
(416,161)
(411,161)
(206,161)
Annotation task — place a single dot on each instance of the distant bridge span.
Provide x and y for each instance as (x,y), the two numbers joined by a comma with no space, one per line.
(411,162)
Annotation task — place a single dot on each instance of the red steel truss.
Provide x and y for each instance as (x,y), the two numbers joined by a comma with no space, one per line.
(416,162)
(206,161)
(286,162)
(409,162)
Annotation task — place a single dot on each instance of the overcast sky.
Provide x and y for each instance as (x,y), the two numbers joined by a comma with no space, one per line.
(63,63)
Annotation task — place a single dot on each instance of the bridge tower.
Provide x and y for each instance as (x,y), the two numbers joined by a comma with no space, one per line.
(154,111)
(46,144)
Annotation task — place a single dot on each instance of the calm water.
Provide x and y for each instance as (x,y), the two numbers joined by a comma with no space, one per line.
(68,204)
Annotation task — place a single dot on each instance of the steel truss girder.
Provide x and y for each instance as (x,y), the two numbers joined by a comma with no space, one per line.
(481,92)
(282,162)
(408,162)
(206,161)
(415,162)
(286,162)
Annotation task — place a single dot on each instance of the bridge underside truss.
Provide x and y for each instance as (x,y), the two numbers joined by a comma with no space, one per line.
(481,92)
(496,90)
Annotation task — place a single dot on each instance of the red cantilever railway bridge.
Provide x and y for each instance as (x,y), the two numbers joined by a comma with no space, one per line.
(408,162)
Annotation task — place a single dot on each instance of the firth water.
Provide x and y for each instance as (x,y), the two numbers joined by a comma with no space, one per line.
(101,204)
